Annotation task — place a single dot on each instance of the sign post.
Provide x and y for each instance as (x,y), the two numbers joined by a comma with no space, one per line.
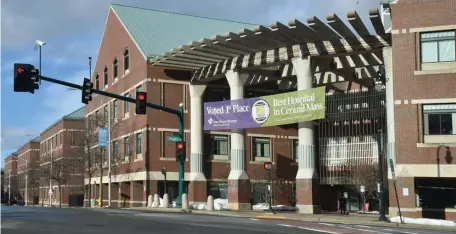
(268,168)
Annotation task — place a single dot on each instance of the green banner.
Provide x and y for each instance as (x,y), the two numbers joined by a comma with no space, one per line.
(288,108)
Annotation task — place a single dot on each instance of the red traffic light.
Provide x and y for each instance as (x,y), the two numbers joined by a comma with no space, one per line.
(20,70)
(180,146)
(141,97)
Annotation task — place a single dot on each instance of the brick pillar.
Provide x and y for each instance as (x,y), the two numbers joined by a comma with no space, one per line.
(307,181)
(238,181)
(197,188)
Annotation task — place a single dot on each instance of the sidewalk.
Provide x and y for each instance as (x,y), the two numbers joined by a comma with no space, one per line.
(356,219)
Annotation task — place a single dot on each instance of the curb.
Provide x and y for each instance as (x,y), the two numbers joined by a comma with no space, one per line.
(270,217)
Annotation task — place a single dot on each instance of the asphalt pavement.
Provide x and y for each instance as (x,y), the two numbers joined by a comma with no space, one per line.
(36,220)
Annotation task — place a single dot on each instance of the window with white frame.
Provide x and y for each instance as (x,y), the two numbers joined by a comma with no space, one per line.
(115,67)
(126,105)
(127,148)
(220,144)
(261,147)
(115,149)
(97,82)
(126,61)
(139,143)
(73,138)
(295,145)
(438,47)
(439,119)
(115,109)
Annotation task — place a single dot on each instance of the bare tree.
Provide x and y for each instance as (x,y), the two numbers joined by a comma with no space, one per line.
(33,178)
(62,169)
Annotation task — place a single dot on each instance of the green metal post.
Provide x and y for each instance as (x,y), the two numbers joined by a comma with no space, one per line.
(181,160)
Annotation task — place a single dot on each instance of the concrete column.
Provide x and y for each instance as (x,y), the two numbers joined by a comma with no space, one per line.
(307,182)
(238,181)
(198,184)
(390,131)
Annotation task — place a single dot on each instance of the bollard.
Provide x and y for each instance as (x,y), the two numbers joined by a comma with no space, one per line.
(150,200)
(92,202)
(165,201)
(184,201)
(210,203)
(156,202)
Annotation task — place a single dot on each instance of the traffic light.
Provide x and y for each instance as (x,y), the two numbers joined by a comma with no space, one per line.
(180,151)
(141,103)
(26,78)
(267,166)
(86,91)
(163,171)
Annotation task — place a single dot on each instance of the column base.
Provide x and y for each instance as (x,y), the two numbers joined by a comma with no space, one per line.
(197,191)
(307,196)
(239,195)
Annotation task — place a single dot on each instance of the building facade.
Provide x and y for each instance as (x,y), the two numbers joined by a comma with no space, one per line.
(11,178)
(28,171)
(61,181)
(425,108)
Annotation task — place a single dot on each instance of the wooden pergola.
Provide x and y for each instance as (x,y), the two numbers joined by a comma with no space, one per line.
(340,56)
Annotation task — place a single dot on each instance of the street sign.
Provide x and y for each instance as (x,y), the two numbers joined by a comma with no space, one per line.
(103,137)
(174,138)
(362,189)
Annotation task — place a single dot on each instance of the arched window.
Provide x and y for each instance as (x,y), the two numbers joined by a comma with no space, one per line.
(126,60)
(114,68)
(106,76)
(97,82)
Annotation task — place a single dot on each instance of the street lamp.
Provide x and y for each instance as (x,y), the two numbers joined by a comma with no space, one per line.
(38,46)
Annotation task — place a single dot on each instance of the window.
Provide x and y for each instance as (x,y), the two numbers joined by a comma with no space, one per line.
(126,105)
(126,60)
(261,147)
(105,115)
(73,138)
(295,149)
(139,88)
(438,47)
(97,82)
(127,148)
(97,115)
(115,68)
(116,108)
(115,149)
(439,119)
(139,143)
(106,77)
(219,144)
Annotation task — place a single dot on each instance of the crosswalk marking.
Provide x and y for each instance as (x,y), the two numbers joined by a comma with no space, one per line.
(317,230)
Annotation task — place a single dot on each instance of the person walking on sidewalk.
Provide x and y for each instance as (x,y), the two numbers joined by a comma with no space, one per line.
(342,204)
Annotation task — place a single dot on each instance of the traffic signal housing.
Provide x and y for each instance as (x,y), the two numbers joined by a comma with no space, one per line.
(26,78)
(141,103)
(86,91)
(180,151)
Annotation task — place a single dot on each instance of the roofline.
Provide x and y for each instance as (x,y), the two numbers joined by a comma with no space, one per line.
(126,30)
(65,117)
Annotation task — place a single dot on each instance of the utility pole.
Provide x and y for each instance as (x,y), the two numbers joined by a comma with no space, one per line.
(381,186)
(109,153)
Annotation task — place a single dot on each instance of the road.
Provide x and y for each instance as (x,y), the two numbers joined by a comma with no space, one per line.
(36,220)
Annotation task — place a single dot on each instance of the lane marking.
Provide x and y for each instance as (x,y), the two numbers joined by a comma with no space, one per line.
(317,230)
(327,224)
(284,225)
(366,230)
(363,226)
(253,219)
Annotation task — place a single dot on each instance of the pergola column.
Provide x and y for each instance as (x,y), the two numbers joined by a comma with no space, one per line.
(238,180)
(307,183)
(198,184)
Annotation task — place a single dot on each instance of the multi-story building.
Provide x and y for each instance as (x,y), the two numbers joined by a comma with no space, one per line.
(424,38)
(60,165)
(28,171)
(11,178)
(2,171)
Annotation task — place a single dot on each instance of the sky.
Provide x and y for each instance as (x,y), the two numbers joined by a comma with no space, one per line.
(72,30)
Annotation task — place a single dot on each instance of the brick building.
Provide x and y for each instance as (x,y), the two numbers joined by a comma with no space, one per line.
(425,108)
(59,161)
(28,171)
(10,178)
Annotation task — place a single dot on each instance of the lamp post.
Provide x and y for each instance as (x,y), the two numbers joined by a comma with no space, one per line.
(38,46)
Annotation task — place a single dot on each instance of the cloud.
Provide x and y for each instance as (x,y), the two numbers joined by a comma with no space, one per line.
(58,100)
(13,138)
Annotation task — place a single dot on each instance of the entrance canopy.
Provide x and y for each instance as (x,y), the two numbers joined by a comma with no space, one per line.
(266,52)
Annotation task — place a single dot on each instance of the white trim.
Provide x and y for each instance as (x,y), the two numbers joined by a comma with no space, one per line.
(425,170)
(170,130)
(433,28)
(434,72)
(63,130)
(139,176)
(431,101)
(20,155)
(143,129)
(172,81)
(218,133)
(261,135)
(129,34)
(142,82)
(430,145)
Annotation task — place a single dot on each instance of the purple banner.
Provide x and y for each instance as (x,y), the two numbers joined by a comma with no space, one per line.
(232,114)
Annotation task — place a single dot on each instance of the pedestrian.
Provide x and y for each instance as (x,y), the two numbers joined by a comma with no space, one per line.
(342,204)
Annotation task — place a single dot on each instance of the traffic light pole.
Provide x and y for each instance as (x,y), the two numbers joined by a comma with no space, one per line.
(178,112)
